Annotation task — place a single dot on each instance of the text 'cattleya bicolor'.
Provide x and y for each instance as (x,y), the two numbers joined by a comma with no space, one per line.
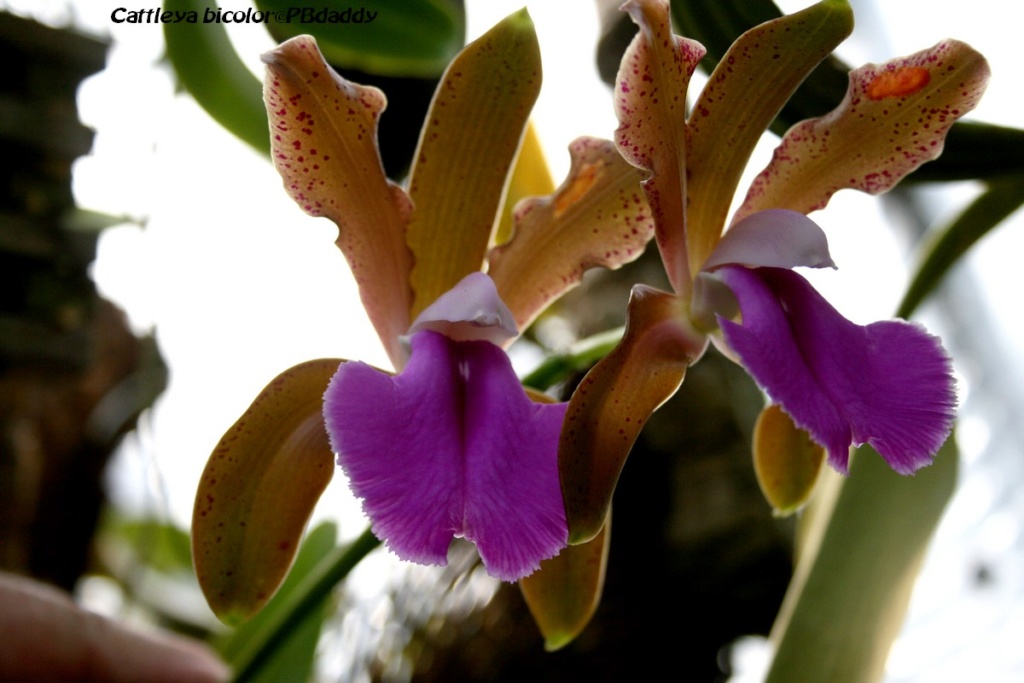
(887,384)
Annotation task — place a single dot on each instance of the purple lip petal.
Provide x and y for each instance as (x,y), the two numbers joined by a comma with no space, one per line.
(471,310)
(514,510)
(385,432)
(775,237)
(450,447)
(888,384)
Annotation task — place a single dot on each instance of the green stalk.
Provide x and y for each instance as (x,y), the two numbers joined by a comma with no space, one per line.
(331,570)
(580,356)
(1001,198)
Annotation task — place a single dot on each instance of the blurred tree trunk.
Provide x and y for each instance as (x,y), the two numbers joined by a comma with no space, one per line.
(69,365)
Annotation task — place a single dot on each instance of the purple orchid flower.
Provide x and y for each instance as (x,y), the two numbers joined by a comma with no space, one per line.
(888,384)
(452,445)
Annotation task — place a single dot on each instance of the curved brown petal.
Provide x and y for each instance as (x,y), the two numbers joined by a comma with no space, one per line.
(258,489)
(614,400)
(894,117)
(747,89)
(650,102)
(597,217)
(564,594)
(466,149)
(323,133)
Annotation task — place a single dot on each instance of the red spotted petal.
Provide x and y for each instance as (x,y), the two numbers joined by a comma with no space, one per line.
(894,118)
(323,133)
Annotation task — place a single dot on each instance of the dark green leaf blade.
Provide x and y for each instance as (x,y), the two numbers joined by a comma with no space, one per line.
(293,660)
(208,67)
(410,38)
(989,210)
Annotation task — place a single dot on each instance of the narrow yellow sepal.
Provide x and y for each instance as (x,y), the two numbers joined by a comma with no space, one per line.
(465,154)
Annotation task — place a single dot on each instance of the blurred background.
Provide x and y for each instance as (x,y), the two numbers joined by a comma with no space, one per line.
(162,277)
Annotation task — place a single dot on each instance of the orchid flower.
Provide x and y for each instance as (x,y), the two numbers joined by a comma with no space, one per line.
(888,383)
(450,444)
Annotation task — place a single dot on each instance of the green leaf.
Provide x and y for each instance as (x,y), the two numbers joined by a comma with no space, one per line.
(584,354)
(717,23)
(209,69)
(258,490)
(466,150)
(315,587)
(975,150)
(852,584)
(292,660)
(89,221)
(157,544)
(991,208)
(409,38)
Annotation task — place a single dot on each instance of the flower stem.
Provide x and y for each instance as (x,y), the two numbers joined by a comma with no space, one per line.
(580,356)
(329,572)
